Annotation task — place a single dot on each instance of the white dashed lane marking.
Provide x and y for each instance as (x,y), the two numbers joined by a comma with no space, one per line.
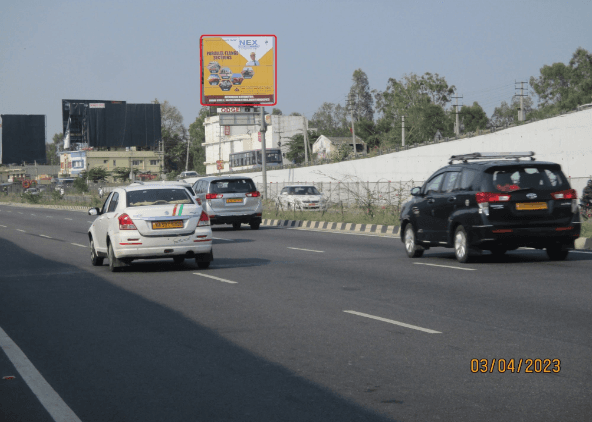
(76,244)
(307,250)
(390,321)
(19,230)
(446,266)
(42,235)
(68,219)
(216,278)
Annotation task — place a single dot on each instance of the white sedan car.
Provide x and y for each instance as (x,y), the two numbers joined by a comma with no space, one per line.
(150,222)
(304,197)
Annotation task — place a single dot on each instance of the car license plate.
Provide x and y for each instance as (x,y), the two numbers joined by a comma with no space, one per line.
(230,200)
(527,206)
(175,224)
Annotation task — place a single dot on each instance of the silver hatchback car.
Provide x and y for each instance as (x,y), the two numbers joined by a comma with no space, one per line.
(230,200)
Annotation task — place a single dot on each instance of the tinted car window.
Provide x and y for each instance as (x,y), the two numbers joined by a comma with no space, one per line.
(138,198)
(433,185)
(467,180)
(232,186)
(306,190)
(114,202)
(512,179)
(104,209)
(450,181)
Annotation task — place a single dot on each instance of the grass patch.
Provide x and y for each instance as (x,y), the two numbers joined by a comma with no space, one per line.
(586,229)
(89,201)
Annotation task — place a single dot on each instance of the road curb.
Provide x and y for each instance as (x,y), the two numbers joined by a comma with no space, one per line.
(377,229)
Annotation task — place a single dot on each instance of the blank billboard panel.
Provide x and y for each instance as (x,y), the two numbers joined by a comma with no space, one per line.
(23,138)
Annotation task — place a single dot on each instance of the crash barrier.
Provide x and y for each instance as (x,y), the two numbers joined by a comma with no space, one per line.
(324,225)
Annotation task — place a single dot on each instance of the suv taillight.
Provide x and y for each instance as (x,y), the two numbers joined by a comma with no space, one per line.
(491,197)
(253,194)
(214,195)
(565,194)
(204,220)
(126,223)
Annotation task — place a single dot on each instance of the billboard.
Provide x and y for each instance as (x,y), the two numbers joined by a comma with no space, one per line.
(23,138)
(238,70)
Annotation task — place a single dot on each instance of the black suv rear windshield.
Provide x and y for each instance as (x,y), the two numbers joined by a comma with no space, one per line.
(139,198)
(509,179)
(232,186)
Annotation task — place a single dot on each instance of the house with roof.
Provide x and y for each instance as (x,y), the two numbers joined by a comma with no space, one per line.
(325,146)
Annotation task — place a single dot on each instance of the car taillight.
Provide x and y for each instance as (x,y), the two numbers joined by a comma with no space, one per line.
(253,194)
(491,197)
(214,195)
(565,194)
(126,223)
(204,220)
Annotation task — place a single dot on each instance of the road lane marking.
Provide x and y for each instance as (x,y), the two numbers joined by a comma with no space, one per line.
(42,235)
(390,321)
(307,250)
(19,212)
(19,230)
(48,216)
(2,226)
(48,397)
(68,219)
(446,266)
(77,244)
(216,278)
(34,214)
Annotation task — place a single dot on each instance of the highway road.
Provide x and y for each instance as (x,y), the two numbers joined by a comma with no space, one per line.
(288,325)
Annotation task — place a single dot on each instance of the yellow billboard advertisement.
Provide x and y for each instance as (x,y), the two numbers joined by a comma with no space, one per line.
(238,70)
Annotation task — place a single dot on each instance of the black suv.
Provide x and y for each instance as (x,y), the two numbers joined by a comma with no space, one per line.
(495,202)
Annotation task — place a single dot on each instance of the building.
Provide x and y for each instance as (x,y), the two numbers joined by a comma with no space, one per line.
(223,141)
(147,161)
(43,174)
(325,146)
(72,163)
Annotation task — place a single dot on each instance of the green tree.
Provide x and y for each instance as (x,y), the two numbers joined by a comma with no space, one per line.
(122,173)
(331,120)
(563,87)
(197,134)
(295,113)
(276,112)
(473,117)
(296,146)
(174,137)
(80,185)
(51,149)
(360,97)
(97,174)
(507,114)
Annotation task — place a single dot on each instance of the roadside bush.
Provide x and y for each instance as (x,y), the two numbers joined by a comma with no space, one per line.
(80,185)
(31,199)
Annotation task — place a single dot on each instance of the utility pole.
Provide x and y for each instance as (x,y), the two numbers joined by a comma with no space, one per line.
(457,121)
(403,130)
(351,114)
(263,129)
(521,114)
(187,158)
(219,144)
(305,133)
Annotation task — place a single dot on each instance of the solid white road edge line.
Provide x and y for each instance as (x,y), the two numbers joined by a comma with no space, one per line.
(307,250)
(390,321)
(446,266)
(53,403)
(216,278)
(76,244)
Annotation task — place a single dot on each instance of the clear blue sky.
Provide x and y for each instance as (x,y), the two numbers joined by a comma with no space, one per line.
(137,51)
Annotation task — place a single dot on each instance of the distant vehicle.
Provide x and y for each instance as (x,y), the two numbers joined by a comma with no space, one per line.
(150,222)
(64,184)
(230,200)
(32,191)
(186,174)
(252,159)
(494,202)
(305,197)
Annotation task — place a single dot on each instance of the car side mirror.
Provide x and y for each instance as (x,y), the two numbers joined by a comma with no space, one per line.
(416,191)
(94,211)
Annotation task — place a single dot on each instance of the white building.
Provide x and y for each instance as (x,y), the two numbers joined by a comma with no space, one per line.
(223,141)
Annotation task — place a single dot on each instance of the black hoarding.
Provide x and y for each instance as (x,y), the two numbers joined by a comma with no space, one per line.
(23,138)
(111,123)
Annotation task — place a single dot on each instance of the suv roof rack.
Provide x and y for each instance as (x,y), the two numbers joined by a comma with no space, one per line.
(492,156)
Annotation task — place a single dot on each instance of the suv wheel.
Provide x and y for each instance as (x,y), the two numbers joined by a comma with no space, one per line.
(461,245)
(236,226)
(411,247)
(556,253)
(255,226)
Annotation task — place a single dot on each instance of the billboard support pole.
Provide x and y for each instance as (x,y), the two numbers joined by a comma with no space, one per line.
(263,129)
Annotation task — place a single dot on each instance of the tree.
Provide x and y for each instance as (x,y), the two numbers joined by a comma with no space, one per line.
(507,114)
(51,149)
(174,136)
(122,173)
(360,97)
(97,174)
(296,146)
(473,117)
(276,112)
(421,100)
(295,113)
(563,87)
(197,134)
(331,120)
(80,185)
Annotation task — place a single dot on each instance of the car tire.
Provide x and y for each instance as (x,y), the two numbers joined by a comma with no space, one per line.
(461,245)
(236,226)
(556,253)
(95,260)
(203,265)
(114,263)
(254,226)
(411,247)
(178,260)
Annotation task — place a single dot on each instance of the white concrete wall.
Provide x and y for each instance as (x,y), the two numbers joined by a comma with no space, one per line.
(565,139)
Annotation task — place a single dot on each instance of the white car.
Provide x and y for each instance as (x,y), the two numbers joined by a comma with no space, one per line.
(150,222)
(304,197)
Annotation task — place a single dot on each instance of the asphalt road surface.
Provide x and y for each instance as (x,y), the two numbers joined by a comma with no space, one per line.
(288,325)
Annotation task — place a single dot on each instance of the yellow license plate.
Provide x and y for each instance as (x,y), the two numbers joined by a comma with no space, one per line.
(527,206)
(229,200)
(176,224)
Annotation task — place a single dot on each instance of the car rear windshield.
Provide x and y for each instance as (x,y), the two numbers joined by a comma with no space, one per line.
(232,186)
(141,198)
(303,190)
(518,178)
